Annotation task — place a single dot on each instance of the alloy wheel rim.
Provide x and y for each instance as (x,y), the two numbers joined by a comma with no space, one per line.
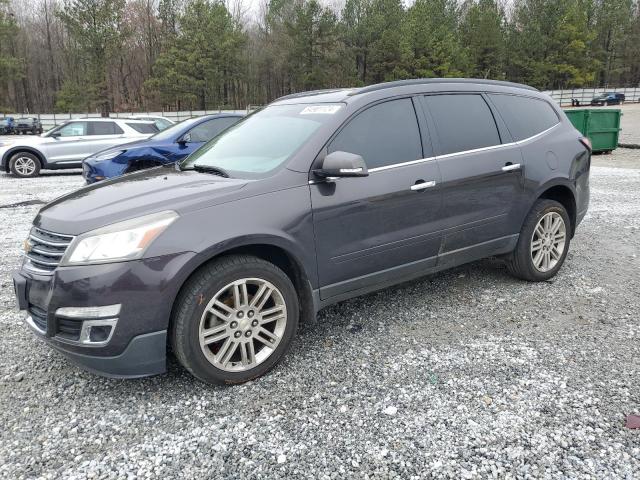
(242,325)
(25,166)
(548,242)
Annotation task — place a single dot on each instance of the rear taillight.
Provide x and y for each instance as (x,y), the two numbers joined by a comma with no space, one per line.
(586,142)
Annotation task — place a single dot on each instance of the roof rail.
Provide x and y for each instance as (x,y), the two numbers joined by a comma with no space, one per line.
(430,81)
(310,93)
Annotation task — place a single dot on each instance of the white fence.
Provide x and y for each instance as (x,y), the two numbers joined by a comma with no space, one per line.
(563,97)
(584,95)
(50,120)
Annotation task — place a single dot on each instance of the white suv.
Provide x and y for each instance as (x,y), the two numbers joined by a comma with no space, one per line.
(66,145)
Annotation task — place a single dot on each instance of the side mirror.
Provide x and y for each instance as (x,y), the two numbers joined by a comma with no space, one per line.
(342,164)
(186,138)
(55,135)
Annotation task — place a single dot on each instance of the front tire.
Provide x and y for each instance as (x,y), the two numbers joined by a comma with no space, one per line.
(543,243)
(25,165)
(234,320)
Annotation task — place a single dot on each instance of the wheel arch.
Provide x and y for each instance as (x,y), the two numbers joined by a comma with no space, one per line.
(272,252)
(9,153)
(564,194)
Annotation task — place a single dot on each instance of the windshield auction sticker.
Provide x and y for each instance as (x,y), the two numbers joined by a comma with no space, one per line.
(320,109)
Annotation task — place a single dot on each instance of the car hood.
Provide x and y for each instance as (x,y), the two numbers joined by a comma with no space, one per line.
(27,140)
(134,195)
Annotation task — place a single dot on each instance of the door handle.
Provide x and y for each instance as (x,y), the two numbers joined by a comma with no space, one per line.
(422,185)
(511,166)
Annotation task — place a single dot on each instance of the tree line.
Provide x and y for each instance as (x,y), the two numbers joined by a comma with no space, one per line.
(128,55)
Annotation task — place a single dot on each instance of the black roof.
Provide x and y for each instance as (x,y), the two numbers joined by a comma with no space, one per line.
(333,94)
(310,93)
(426,81)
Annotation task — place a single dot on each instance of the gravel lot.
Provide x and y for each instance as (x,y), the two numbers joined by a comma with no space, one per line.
(468,373)
(630,123)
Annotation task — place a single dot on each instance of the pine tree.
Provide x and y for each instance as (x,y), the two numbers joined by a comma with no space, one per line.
(96,28)
(433,46)
(483,34)
(201,67)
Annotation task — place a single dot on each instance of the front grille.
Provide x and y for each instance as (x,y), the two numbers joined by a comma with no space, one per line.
(46,249)
(68,328)
(39,317)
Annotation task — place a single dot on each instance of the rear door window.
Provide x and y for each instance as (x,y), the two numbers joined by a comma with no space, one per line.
(463,122)
(384,134)
(212,128)
(524,116)
(104,128)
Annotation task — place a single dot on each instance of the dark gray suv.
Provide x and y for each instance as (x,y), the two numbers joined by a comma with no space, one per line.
(316,198)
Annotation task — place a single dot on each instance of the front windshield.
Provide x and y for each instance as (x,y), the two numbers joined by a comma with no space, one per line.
(262,141)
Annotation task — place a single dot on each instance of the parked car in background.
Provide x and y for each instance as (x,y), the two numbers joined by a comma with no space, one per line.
(608,98)
(66,145)
(161,122)
(29,125)
(7,126)
(315,199)
(168,146)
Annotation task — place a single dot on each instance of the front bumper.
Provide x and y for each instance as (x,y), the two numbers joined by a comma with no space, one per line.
(144,289)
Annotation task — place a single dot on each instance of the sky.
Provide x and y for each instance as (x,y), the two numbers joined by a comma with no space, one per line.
(253,8)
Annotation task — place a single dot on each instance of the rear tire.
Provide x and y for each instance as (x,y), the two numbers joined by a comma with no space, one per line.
(234,320)
(543,243)
(25,165)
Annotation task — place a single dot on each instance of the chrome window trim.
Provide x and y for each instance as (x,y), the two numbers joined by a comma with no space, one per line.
(533,137)
(476,150)
(402,164)
(456,154)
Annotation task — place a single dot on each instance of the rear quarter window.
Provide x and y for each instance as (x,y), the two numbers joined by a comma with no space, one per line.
(104,128)
(525,116)
(144,128)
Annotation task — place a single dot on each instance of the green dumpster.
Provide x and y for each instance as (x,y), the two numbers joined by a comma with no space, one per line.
(601,126)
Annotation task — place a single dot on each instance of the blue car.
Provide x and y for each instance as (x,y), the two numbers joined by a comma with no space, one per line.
(168,146)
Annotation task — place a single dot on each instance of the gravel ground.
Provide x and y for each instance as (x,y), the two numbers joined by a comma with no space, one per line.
(464,374)
(630,123)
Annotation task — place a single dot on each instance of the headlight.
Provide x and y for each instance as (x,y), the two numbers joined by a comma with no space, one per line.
(107,155)
(121,241)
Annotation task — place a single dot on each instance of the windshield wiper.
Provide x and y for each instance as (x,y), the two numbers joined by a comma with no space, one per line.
(221,172)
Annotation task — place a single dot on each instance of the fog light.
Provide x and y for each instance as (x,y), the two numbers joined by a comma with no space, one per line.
(89,312)
(97,332)
(96,324)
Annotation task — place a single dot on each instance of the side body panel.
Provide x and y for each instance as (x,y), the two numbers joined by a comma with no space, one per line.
(366,225)
(482,188)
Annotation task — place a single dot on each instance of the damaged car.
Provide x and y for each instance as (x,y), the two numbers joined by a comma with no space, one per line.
(168,146)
